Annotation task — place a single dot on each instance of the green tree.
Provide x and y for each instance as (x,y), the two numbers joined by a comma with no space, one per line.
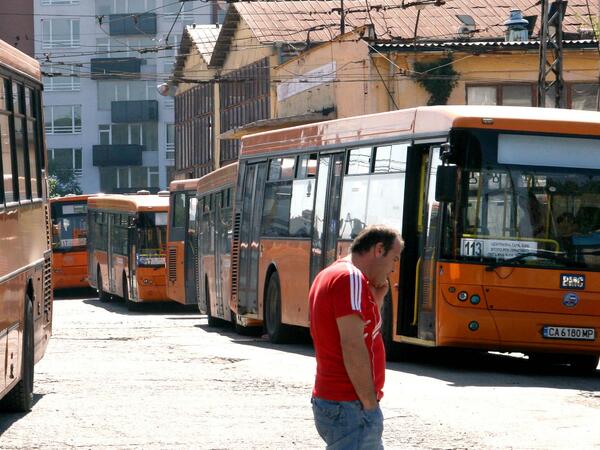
(438,78)
(62,181)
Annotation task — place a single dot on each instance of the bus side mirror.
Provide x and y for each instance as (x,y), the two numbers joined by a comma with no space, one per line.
(445,185)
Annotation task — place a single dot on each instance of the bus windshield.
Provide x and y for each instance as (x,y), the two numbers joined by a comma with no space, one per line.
(526,200)
(69,222)
(152,238)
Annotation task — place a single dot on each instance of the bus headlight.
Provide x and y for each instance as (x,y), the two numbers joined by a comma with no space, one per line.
(473,325)
(463,296)
(475,299)
(146,281)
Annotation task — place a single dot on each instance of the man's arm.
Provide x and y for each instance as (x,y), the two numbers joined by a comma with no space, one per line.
(356,358)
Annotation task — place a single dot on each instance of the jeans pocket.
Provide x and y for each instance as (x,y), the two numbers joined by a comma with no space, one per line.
(373,417)
(329,419)
(326,409)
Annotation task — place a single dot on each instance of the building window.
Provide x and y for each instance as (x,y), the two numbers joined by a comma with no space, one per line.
(170,141)
(506,95)
(112,91)
(59,2)
(584,96)
(63,119)
(106,7)
(130,133)
(64,77)
(66,159)
(128,179)
(60,33)
(171,8)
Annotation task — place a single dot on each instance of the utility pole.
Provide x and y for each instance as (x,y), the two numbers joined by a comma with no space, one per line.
(342,18)
(550,78)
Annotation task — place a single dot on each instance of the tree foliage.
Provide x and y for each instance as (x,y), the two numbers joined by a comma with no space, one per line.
(62,181)
(438,78)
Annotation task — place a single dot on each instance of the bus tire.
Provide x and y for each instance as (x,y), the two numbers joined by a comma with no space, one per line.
(212,321)
(584,364)
(103,296)
(278,332)
(20,397)
(131,305)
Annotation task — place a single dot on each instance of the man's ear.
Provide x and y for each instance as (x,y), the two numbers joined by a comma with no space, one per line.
(379,249)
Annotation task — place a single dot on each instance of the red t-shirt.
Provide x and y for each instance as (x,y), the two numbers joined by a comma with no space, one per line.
(339,290)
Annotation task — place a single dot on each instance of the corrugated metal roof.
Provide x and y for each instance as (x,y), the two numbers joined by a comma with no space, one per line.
(204,38)
(578,43)
(319,21)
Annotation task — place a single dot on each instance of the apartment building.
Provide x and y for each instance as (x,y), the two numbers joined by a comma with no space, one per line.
(103,61)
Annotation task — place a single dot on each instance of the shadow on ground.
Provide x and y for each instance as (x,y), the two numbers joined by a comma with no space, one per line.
(166,307)
(7,419)
(457,367)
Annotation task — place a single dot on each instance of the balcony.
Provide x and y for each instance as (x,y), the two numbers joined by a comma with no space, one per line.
(117,155)
(115,68)
(132,24)
(134,111)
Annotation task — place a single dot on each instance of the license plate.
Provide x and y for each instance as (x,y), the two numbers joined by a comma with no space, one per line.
(582,334)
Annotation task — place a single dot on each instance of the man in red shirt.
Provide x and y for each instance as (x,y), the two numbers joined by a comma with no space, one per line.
(345,324)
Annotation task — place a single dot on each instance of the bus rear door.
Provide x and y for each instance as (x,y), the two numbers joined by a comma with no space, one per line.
(326,212)
(249,246)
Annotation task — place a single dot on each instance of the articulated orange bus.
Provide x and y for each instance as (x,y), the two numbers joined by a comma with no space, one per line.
(499,208)
(69,241)
(216,192)
(182,247)
(126,246)
(25,231)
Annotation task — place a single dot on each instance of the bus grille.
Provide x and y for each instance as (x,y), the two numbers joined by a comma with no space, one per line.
(48,227)
(47,282)
(235,256)
(172,263)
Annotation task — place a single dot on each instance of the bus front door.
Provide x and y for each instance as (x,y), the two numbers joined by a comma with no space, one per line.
(110,255)
(326,212)
(249,246)
(191,252)
(132,248)
(417,275)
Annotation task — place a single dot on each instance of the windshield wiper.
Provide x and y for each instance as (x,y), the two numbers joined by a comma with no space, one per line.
(545,254)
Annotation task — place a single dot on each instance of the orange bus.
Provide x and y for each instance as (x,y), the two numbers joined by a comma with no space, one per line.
(126,246)
(182,247)
(25,231)
(499,208)
(216,192)
(69,240)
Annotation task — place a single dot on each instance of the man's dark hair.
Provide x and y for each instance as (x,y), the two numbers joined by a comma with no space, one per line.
(374,234)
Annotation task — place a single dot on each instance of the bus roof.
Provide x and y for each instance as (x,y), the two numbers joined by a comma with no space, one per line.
(421,121)
(220,178)
(71,198)
(130,203)
(189,184)
(16,60)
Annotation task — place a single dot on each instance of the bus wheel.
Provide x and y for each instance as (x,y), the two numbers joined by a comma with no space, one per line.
(584,364)
(20,398)
(212,321)
(278,332)
(103,296)
(131,306)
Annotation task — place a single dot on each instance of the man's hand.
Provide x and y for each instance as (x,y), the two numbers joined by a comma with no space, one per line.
(379,291)
(356,358)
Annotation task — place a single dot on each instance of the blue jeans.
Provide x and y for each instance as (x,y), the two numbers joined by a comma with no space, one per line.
(347,426)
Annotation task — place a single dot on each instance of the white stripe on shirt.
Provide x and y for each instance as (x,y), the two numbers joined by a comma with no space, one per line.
(355,287)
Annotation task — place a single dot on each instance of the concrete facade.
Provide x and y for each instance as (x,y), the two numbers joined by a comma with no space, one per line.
(72,37)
